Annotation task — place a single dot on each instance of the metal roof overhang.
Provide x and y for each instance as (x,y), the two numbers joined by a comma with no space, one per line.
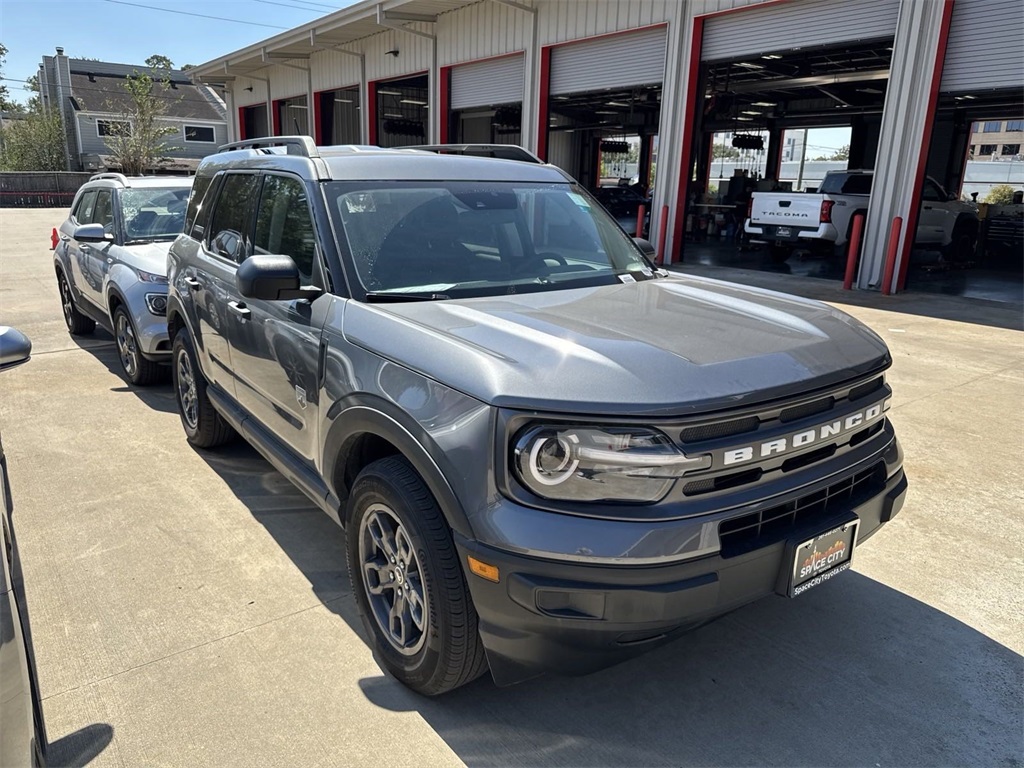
(333,31)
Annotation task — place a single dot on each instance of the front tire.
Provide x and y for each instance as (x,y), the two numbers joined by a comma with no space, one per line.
(409,587)
(204,427)
(961,247)
(137,369)
(77,323)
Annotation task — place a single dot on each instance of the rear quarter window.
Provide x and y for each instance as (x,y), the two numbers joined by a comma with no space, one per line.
(193,219)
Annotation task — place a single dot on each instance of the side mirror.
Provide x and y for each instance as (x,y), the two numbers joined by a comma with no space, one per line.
(15,348)
(91,233)
(272,278)
(646,247)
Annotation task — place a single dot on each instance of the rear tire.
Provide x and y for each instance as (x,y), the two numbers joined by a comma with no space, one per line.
(204,427)
(407,581)
(137,369)
(77,323)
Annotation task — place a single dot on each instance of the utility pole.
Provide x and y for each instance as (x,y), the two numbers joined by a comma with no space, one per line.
(803,154)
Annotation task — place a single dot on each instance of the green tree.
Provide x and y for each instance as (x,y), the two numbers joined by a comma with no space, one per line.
(6,104)
(1000,194)
(186,67)
(156,61)
(140,145)
(34,142)
(843,153)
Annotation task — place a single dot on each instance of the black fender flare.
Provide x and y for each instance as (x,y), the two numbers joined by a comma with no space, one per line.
(361,414)
(176,311)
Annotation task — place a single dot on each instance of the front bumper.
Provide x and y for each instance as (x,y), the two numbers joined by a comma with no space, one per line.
(150,329)
(575,618)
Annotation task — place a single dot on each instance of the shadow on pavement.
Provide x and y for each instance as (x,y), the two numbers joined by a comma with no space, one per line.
(994,314)
(852,673)
(102,346)
(81,747)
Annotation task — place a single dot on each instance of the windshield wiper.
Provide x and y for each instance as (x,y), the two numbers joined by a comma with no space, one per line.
(384,297)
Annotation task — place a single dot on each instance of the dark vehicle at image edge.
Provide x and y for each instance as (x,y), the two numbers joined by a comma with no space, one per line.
(547,454)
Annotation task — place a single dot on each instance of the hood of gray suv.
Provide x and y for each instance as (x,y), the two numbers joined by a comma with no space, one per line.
(149,257)
(666,346)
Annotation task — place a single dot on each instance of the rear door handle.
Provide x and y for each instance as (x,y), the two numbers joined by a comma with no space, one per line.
(239,309)
(191,282)
(927,207)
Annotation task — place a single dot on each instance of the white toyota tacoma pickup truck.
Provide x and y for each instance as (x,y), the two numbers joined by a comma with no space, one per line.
(822,221)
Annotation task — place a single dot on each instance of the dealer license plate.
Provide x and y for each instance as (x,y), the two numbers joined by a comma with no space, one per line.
(817,560)
(782,232)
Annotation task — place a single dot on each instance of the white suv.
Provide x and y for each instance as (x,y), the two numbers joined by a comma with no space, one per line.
(110,256)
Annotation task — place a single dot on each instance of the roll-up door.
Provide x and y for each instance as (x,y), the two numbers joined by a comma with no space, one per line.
(483,83)
(615,61)
(985,49)
(808,23)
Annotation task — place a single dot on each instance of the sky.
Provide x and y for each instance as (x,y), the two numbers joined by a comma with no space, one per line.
(126,34)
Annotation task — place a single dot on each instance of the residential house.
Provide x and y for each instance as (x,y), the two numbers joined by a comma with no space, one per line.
(93,104)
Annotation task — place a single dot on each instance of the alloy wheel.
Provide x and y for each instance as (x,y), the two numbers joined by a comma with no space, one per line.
(393,579)
(67,305)
(126,346)
(187,391)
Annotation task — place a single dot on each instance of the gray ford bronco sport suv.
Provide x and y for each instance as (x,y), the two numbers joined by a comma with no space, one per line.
(547,454)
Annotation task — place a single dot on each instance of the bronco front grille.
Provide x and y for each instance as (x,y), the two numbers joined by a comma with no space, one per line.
(746,533)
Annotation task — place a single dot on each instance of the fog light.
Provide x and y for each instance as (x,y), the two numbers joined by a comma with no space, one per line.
(157,303)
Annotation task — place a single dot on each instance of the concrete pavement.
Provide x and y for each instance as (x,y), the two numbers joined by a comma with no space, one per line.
(193,609)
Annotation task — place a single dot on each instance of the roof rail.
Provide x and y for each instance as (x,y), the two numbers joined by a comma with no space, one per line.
(296,145)
(110,175)
(501,151)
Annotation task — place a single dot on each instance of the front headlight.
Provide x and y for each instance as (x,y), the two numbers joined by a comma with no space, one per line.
(149,277)
(578,463)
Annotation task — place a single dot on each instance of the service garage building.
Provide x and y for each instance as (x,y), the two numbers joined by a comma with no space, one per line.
(689,109)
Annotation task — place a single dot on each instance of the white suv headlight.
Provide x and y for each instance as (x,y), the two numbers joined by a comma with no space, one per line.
(582,463)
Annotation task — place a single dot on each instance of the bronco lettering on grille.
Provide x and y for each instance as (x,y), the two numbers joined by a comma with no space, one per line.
(804,438)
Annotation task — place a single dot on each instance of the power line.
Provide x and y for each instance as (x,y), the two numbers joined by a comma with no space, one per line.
(298,7)
(197,15)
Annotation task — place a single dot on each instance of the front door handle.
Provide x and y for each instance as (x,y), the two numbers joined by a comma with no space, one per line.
(927,207)
(191,282)
(239,309)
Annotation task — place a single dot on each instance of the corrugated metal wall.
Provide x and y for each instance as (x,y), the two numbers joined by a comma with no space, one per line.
(615,61)
(332,69)
(796,25)
(481,30)
(286,82)
(414,53)
(986,46)
(495,81)
(245,97)
(904,117)
(566,20)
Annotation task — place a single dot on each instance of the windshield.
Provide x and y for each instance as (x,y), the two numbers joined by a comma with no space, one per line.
(454,239)
(153,213)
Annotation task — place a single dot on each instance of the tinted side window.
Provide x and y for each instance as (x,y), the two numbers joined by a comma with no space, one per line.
(284,224)
(229,234)
(83,211)
(103,213)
